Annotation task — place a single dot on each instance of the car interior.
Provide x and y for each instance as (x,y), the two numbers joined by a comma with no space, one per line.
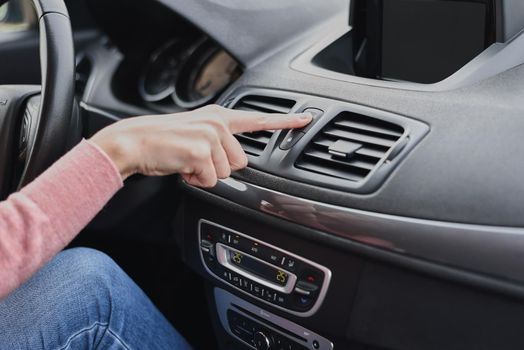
(393,221)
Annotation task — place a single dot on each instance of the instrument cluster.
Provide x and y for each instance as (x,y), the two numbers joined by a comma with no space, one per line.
(188,74)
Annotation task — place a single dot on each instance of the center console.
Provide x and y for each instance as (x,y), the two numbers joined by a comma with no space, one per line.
(277,285)
(266,287)
(269,274)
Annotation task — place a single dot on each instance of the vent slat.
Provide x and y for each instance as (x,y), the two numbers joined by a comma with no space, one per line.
(330,171)
(246,108)
(352,125)
(351,162)
(250,137)
(371,153)
(256,142)
(249,149)
(352,136)
(376,137)
(265,107)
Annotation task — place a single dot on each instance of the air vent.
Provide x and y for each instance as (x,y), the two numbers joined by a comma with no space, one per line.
(254,143)
(350,147)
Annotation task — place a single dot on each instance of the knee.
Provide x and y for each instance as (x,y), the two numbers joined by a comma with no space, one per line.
(84,264)
(78,286)
(85,268)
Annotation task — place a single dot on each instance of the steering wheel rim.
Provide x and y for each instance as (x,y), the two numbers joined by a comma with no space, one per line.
(52,123)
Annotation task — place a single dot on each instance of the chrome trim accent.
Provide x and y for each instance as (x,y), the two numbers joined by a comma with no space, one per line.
(225,301)
(225,261)
(491,250)
(325,270)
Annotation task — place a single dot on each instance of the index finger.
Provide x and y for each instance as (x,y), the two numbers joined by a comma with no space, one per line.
(244,121)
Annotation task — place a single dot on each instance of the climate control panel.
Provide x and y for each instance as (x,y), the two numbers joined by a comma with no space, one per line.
(263,271)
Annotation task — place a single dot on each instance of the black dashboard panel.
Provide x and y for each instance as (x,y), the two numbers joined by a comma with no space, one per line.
(459,173)
(427,259)
(371,303)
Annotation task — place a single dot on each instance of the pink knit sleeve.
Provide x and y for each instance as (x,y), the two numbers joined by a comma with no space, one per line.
(40,220)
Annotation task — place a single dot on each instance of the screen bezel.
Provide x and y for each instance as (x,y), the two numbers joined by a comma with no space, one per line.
(366,19)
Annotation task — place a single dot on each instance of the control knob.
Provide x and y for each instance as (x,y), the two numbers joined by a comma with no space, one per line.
(262,341)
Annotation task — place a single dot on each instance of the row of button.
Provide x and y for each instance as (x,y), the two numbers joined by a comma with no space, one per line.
(256,249)
(254,288)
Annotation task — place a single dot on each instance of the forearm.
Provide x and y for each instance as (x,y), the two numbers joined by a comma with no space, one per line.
(41,219)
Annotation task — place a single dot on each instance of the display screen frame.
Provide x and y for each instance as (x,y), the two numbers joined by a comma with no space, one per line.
(367,20)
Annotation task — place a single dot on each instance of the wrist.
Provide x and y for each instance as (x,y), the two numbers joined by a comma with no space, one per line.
(116,151)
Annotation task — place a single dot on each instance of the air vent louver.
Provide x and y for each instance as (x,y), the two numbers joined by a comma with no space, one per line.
(254,143)
(373,138)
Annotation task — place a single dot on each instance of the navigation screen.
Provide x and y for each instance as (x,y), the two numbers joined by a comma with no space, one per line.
(427,41)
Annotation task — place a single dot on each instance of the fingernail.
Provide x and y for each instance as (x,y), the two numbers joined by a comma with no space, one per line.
(306,116)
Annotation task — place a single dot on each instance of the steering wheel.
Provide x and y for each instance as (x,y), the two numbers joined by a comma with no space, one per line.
(36,122)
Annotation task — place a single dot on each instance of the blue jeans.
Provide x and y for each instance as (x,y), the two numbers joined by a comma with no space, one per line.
(83,300)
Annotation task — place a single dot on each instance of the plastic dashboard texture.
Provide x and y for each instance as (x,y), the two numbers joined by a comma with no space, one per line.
(465,170)
(460,172)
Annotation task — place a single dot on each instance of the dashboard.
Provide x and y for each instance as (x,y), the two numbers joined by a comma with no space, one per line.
(393,221)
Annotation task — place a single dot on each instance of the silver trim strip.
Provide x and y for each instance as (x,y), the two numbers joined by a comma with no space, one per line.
(325,270)
(225,301)
(492,250)
(225,261)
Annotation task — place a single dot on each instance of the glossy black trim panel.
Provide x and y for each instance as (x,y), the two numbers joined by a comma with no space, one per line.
(489,250)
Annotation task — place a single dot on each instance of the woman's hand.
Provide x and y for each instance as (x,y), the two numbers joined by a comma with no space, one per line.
(199,144)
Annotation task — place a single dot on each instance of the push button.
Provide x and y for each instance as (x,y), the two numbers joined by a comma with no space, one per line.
(270,255)
(288,263)
(224,237)
(257,290)
(292,137)
(207,247)
(305,288)
(236,280)
(316,113)
(269,295)
(280,299)
(274,257)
